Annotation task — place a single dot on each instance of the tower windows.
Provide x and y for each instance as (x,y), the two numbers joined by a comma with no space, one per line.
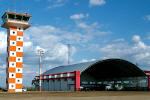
(18,70)
(11,16)
(18,17)
(12,64)
(19,49)
(12,75)
(18,59)
(19,38)
(13,32)
(12,86)
(12,43)
(12,54)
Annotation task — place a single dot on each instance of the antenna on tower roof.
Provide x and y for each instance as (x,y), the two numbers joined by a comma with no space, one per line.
(15,6)
(27,12)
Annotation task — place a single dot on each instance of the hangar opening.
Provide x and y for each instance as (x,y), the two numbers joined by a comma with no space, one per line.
(109,74)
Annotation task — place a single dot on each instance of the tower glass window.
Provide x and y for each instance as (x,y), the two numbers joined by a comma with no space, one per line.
(25,18)
(18,17)
(11,16)
(4,18)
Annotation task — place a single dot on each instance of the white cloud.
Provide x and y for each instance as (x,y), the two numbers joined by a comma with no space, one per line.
(27,44)
(85,60)
(3,40)
(85,25)
(97,2)
(56,3)
(82,25)
(53,40)
(55,6)
(56,51)
(119,40)
(148,17)
(93,28)
(136,38)
(136,51)
(138,42)
(79,16)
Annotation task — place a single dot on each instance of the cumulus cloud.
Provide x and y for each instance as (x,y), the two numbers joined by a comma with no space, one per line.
(93,28)
(136,51)
(3,40)
(97,2)
(79,16)
(54,41)
(27,44)
(136,38)
(82,25)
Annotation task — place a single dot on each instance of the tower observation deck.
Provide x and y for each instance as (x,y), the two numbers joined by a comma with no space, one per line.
(15,23)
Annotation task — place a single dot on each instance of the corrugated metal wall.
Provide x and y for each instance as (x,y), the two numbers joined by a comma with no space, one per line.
(58,85)
(69,81)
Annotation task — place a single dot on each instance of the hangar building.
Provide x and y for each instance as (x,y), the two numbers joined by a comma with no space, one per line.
(109,74)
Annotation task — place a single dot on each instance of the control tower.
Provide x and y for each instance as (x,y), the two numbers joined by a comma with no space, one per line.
(15,23)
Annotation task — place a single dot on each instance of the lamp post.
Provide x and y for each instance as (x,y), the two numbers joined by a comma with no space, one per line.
(41,52)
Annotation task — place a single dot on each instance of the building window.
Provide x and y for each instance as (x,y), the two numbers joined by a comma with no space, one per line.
(25,18)
(19,38)
(11,16)
(18,17)
(18,70)
(18,59)
(12,75)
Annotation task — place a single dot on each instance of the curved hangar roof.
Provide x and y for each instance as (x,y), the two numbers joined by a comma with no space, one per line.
(102,68)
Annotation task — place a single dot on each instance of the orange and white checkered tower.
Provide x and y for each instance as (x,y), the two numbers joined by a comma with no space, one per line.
(15,23)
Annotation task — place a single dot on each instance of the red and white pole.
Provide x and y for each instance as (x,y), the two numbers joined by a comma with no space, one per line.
(40,70)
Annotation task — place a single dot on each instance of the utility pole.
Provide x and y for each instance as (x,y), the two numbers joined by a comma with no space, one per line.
(68,45)
(41,52)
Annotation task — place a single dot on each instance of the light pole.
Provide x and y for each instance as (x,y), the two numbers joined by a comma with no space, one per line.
(41,52)
(68,45)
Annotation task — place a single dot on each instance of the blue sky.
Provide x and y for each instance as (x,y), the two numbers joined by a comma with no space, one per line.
(96,29)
